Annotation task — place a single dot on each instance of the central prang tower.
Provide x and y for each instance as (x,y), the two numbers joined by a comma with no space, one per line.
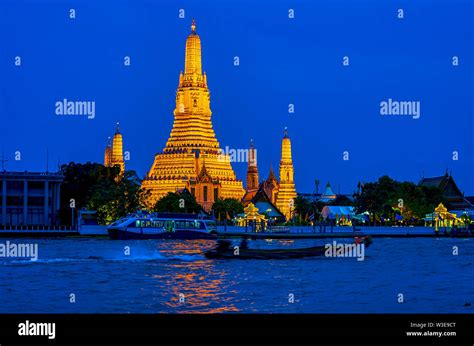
(192,157)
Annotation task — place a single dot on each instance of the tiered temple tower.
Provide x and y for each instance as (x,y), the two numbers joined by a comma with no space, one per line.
(252,169)
(192,157)
(114,151)
(286,191)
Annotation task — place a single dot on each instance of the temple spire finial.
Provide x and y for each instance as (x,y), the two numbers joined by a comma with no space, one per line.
(285,132)
(271,175)
(192,63)
(117,129)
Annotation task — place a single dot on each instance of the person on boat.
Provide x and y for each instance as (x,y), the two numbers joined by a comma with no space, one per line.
(244,244)
(222,245)
(368,240)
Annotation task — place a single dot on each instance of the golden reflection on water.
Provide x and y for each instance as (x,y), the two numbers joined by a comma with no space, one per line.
(204,283)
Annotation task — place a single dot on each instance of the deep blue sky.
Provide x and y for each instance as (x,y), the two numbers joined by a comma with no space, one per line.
(283,61)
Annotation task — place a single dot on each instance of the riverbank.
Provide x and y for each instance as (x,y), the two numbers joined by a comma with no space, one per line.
(308,232)
(287,232)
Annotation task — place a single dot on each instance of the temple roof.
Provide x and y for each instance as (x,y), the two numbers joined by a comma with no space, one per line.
(269,208)
(450,191)
(443,182)
(271,176)
(260,199)
(204,174)
(248,197)
(328,193)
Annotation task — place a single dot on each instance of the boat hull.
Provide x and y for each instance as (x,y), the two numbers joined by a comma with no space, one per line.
(225,251)
(266,254)
(120,234)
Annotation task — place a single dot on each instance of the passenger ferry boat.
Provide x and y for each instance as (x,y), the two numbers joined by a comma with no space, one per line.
(162,226)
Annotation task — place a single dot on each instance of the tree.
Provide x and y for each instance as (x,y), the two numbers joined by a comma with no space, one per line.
(100,188)
(227,208)
(233,207)
(115,198)
(177,203)
(387,197)
(305,208)
(79,180)
(342,200)
(219,209)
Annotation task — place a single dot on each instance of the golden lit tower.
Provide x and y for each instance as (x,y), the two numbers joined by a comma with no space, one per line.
(286,191)
(114,152)
(252,170)
(117,150)
(192,142)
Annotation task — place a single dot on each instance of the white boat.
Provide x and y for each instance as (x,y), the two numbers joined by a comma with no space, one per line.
(163,226)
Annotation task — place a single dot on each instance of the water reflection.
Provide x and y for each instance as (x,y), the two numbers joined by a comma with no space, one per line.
(203,285)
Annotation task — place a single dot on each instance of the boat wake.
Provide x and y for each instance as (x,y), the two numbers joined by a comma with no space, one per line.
(40,261)
(151,257)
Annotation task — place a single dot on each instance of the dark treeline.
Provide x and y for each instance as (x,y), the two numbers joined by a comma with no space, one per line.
(383,200)
(114,195)
(103,189)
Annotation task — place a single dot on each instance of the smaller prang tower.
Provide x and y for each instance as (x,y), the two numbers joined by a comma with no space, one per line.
(252,169)
(114,151)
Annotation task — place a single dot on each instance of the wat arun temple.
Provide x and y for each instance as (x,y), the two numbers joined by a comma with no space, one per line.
(192,158)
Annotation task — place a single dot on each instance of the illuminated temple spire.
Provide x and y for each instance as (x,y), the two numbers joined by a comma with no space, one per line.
(192,140)
(287,191)
(252,169)
(108,153)
(193,52)
(192,126)
(114,151)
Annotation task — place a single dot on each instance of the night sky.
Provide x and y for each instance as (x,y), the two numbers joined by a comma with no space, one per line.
(282,61)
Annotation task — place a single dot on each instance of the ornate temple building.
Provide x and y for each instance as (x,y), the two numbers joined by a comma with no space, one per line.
(328,195)
(286,189)
(192,157)
(270,186)
(450,190)
(255,195)
(273,197)
(113,155)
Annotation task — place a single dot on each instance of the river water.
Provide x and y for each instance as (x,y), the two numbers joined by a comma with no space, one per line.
(104,276)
